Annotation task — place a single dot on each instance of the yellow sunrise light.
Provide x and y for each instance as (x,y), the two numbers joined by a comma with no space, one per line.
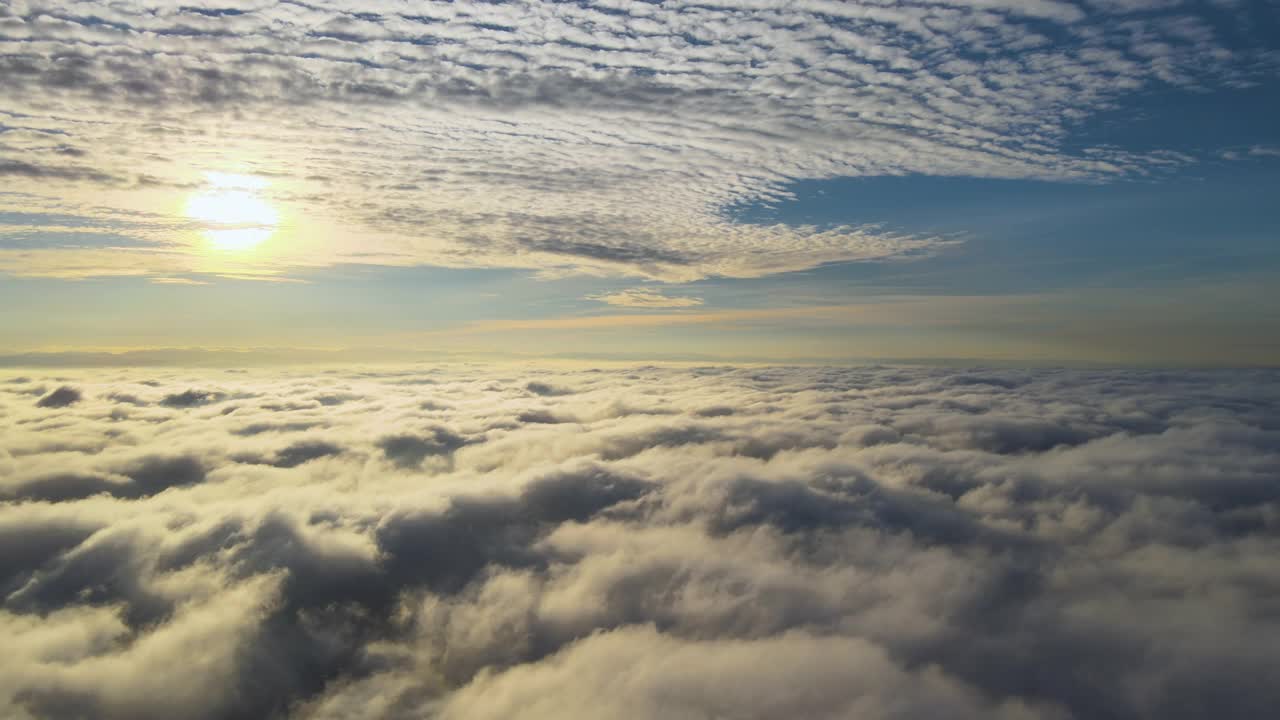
(234,217)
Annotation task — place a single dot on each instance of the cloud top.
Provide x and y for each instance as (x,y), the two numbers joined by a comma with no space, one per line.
(471,541)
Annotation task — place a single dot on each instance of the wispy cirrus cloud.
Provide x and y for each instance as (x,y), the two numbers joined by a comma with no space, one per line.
(646,298)
(177,281)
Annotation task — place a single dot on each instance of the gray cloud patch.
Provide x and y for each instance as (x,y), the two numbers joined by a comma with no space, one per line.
(21,168)
(62,397)
(888,542)
(546,389)
(190,398)
(292,455)
(142,478)
(408,451)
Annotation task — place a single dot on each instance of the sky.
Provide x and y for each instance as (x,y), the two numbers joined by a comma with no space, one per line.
(622,360)
(1007,181)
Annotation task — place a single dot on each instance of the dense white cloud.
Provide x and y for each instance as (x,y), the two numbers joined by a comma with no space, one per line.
(489,541)
(598,137)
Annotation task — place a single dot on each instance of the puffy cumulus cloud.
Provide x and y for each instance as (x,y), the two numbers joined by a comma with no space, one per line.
(651,542)
(641,673)
(589,137)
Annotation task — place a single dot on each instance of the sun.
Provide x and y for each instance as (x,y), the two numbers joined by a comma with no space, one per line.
(233,215)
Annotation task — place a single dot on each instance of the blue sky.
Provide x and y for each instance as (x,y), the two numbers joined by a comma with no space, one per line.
(1006,181)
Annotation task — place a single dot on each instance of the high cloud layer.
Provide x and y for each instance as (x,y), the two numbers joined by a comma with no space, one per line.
(498,542)
(588,137)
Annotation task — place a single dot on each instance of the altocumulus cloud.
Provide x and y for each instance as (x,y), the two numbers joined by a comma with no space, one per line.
(887,542)
(588,137)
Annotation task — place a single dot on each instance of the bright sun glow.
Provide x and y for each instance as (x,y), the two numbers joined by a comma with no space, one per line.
(235,218)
